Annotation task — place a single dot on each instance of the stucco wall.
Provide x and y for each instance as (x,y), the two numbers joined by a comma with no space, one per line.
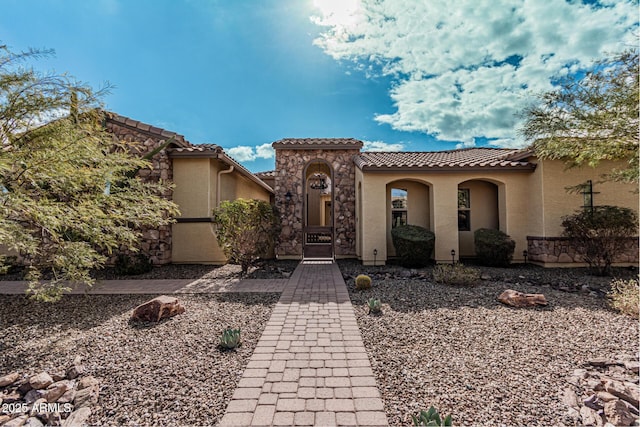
(196,187)
(513,192)
(558,202)
(483,212)
(418,210)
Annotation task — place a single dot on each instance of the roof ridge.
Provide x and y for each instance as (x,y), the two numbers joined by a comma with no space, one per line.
(146,128)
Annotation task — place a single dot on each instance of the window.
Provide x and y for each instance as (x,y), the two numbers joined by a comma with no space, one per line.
(398,207)
(464,210)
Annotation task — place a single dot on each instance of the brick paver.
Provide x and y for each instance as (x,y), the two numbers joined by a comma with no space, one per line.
(310,366)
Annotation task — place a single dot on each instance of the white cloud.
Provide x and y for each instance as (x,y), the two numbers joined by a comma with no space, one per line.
(381,146)
(245,153)
(463,70)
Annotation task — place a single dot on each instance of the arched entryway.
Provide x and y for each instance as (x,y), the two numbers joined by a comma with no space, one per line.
(478,207)
(318,225)
(407,202)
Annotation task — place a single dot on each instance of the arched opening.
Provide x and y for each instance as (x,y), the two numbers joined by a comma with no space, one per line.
(318,210)
(408,202)
(477,208)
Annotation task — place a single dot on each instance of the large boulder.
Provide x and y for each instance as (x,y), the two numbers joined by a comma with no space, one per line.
(414,245)
(519,300)
(157,309)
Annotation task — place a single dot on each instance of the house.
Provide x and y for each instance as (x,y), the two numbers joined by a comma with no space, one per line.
(337,201)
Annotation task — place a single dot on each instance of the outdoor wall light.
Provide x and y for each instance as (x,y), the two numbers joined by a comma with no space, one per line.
(525,254)
(453,256)
(375,254)
(288,197)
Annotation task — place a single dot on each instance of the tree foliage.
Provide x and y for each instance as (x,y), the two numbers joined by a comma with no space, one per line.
(590,119)
(601,234)
(67,194)
(246,230)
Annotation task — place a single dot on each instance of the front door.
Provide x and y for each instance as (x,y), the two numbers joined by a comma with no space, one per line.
(318,213)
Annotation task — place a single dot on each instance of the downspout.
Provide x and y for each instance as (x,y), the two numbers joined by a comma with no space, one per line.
(220,173)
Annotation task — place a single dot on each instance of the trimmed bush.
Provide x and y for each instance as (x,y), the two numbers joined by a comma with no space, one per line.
(363,282)
(413,244)
(624,296)
(246,230)
(456,274)
(493,247)
(599,235)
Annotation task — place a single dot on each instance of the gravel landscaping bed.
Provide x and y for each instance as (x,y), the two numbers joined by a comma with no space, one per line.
(267,269)
(170,373)
(465,353)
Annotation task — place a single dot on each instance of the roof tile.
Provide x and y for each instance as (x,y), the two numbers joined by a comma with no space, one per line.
(312,143)
(452,159)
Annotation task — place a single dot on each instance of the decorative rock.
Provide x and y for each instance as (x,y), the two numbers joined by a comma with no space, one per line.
(632,365)
(590,417)
(78,417)
(12,397)
(88,382)
(569,398)
(157,309)
(17,422)
(33,422)
(34,395)
(85,397)
(40,381)
(75,371)
(592,403)
(4,418)
(58,375)
(601,362)
(56,390)
(618,414)
(9,379)
(619,390)
(605,397)
(519,300)
(68,396)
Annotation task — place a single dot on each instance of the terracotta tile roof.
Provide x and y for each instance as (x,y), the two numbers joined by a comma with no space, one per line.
(146,128)
(197,148)
(266,174)
(317,143)
(464,159)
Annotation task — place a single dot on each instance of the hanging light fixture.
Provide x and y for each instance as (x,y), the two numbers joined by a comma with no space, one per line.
(317,181)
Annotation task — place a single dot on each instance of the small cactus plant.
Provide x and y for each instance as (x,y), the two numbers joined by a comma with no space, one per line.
(363,282)
(431,418)
(230,339)
(375,306)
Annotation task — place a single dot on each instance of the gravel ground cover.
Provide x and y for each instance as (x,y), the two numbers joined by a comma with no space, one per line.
(170,373)
(487,364)
(268,269)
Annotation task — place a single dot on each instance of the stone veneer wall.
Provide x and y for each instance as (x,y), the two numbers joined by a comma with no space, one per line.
(558,250)
(289,177)
(155,243)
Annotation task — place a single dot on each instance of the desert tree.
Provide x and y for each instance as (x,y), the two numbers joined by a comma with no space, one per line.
(68,194)
(591,117)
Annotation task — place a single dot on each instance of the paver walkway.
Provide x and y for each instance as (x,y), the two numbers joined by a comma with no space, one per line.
(310,366)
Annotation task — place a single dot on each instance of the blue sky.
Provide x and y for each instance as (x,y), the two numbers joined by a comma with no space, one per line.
(400,75)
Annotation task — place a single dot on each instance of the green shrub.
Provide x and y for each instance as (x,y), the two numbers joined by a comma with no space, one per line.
(230,339)
(246,230)
(599,235)
(363,282)
(8,264)
(128,265)
(456,274)
(375,306)
(431,418)
(413,244)
(493,247)
(624,296)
